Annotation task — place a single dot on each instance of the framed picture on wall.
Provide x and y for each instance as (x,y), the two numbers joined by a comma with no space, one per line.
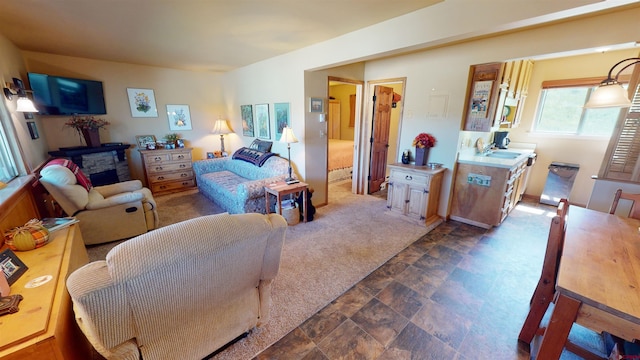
(262,121)
(33,130)
(281,112)
(179,117)
(142,102)
(316,105)
(246,112)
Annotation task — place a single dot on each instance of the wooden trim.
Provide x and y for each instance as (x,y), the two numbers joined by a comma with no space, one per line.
(590,81)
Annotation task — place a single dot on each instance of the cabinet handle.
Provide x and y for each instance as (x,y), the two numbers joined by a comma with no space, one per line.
(163,187)
(158,168)
(426,191)
(157,158)
(180,157)
(406,201)
(390,184)
(183,166)
(183,175)
(160,177)
(185,183)
(408,177)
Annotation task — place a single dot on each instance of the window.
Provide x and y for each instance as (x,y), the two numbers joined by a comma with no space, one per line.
(561,111)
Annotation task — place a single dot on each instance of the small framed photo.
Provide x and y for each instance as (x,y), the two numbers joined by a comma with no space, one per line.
(142,102)
(33,130)
(210,155)
(262,121)
(144,140)
(11,266)
(180,143)
(316,105)
(179,117)
(247,120)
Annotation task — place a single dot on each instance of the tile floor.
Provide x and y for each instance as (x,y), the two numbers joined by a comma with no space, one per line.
(459,292)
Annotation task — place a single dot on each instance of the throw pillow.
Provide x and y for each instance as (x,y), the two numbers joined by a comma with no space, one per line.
(81,178)
(252,156)
(261,145)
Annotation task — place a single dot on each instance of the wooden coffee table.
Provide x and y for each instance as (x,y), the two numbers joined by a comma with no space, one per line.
(280,189)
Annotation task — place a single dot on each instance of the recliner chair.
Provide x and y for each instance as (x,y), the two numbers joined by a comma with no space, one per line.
(106,213)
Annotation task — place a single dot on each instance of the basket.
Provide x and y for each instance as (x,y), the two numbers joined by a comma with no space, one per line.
(292,215)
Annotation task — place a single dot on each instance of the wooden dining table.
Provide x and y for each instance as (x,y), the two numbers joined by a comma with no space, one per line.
(598,284)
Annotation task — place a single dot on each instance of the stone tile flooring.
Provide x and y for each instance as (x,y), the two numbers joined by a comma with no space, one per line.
(459,292)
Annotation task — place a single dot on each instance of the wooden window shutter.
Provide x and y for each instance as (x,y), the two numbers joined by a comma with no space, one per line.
(623,154)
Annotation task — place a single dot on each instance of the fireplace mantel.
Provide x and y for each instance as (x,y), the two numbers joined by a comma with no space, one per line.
(104,165)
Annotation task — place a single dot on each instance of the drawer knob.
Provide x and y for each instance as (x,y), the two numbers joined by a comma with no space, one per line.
(160,177)
(183,166)
(183,175)
(408,177)
(180,156)
(185,183)
(158,168)
(157,158)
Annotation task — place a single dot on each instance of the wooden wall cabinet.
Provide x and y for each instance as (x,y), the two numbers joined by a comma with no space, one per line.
(414,192)
(514,89)
(168,170)
(483,92)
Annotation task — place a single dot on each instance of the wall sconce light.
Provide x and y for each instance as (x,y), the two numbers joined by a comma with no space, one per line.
(24,104)
(289,137)
(610,93)
(221,127)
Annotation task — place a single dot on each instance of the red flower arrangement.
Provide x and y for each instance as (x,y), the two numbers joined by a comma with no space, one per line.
(424,140)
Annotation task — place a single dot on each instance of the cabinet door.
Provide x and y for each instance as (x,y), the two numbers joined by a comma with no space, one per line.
(397,197)
(417,205)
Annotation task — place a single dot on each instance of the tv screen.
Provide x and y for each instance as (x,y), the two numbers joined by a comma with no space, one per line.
(56,95)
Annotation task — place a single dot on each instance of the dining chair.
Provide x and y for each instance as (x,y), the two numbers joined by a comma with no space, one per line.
(544,293)
(634,198)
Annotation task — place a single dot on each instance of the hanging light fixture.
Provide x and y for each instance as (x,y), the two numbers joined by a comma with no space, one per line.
(24,104)
(221,127)
(610,92)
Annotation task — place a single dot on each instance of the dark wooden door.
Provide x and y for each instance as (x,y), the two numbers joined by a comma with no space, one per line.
(382,99)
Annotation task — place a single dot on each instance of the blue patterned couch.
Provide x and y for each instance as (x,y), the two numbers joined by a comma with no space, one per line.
(236,185)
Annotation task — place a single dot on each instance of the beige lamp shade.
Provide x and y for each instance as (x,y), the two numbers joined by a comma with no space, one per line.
(608,95)
(288,136)
(221,127)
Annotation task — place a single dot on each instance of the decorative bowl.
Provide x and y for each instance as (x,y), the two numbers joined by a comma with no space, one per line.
(434,165)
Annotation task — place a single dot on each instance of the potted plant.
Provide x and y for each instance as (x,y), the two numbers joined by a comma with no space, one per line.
(88,128)
(172,139)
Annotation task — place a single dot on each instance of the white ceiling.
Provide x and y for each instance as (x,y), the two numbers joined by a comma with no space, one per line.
(201,35)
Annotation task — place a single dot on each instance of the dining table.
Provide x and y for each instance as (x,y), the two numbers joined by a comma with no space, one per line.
(598,283)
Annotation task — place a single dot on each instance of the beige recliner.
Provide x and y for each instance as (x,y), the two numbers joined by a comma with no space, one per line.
(181,291)
(106,213)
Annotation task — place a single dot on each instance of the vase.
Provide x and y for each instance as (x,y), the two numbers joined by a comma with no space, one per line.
(91,137)
(422,155)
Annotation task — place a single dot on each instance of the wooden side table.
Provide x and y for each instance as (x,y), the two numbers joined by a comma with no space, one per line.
(280,189)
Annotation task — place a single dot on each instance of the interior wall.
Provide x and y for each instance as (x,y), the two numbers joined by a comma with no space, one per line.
(202,92)
(34,150)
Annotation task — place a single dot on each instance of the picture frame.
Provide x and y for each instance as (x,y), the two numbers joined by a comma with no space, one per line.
(33,130)
(11,267)
(281,113)
(179,117)
(180,143)
(143,140)
(316,105)
(210,155)
(142,102)
(28,116)
(263,124)
(246,112)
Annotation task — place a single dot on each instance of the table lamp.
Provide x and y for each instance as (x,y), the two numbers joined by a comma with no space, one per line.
(221,127)
(289,137)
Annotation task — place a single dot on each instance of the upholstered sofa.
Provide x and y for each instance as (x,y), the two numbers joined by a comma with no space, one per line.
(106,213)
(236,184)
(181,291)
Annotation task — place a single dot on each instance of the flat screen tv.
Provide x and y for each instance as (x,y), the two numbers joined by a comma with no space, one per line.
(56,95)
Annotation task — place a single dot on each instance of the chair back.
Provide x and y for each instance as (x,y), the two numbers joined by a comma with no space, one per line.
(634,198)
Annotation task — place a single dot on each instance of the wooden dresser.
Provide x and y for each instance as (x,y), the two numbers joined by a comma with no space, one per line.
(168,170)
(414,192)
(45,326)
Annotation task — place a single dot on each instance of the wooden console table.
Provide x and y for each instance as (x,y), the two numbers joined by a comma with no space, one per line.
(45,326)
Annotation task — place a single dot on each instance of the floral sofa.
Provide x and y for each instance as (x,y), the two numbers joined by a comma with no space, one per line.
(236,183)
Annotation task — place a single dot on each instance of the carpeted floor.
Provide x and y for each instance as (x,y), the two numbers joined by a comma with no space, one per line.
(348,239)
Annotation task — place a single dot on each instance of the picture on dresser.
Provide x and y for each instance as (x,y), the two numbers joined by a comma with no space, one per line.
(144,141)
(142,102)
(179,117)
(246,112)
(11,266)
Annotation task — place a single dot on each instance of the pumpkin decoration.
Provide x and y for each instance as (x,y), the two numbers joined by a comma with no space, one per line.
(31,235)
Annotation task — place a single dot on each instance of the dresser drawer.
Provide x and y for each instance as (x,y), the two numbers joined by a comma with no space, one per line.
(160,168)
(157,158)
(409,177)
(181,156)
(174,185)
(182,175)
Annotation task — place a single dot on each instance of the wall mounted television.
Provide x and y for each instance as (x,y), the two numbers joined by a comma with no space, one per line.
(56,95)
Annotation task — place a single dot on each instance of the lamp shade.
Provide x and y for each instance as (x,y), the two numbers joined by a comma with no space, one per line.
(24,104)
(288,136)
(608,95)
(221,127)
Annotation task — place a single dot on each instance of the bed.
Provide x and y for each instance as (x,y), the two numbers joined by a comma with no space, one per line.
(340,163)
